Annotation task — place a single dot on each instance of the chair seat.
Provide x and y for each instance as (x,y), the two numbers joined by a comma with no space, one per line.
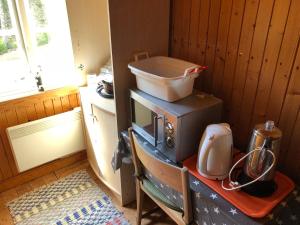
(157,194)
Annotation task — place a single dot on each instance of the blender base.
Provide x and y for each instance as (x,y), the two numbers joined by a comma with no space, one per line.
(259,188)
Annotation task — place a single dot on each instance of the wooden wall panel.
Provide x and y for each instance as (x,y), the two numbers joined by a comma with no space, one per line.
(273,46)
(237,13)
(285,62)
(185,30)
(290,121)
(177,26)
(222,38)
(252,50)
(241,65)
(254,66)
(40,110)
(49,109)
(28,109)
(65,103)
(194,30)
(210,51)
(202,30)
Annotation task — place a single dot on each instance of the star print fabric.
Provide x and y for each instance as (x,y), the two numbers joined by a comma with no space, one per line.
(171,194)
(211,209)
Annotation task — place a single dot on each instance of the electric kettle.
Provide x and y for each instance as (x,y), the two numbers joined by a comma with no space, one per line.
(259,170)
(215,152)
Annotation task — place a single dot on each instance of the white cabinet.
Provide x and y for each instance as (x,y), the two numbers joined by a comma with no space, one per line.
(101,136)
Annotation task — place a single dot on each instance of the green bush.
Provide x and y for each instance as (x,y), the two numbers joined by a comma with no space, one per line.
(42,39)
(3,47)
(11,43)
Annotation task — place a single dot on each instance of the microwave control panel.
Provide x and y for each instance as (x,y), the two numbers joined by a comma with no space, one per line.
(169,134)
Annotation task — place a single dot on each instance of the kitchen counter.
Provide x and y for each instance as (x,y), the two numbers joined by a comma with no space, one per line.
(95,99)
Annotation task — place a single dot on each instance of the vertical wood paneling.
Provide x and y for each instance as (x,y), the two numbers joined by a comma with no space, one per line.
(293,168)
(210,50)
(11,117)
(20,111)
(178,24)
(194,29)
(224,24)
(5,166)
(248,26)
(204,15)
(277,28)
(290,123)
(40,110)
(287,123)
(185,30)
(57,105)
(285,60)
(6,155)
(252,50)
(254,66)
(231,53)
(73,100)
(78,99)
(21,115)
(49,110)
(31,113)
(65,103)
(290,115)
(202,30)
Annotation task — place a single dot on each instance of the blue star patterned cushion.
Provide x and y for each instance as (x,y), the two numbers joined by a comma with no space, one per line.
(157,194)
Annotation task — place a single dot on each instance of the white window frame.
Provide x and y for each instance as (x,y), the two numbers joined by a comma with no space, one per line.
(23,30)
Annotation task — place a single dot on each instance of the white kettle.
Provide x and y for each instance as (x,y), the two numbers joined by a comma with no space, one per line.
(215,152)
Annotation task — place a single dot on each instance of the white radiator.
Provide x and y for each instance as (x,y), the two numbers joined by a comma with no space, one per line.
(40,141)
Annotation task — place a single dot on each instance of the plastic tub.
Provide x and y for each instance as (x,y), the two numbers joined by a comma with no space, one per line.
(164,77)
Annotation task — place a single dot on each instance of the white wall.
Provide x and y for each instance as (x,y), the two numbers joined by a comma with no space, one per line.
(90,33)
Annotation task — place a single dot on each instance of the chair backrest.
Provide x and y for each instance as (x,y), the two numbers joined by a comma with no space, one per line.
(175,177)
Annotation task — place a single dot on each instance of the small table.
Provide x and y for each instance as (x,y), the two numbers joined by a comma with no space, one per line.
(209,208)
(282,200)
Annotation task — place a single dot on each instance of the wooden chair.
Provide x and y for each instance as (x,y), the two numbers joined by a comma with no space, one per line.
(175,177)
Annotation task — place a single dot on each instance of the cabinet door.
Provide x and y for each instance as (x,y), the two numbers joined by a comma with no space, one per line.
(104,140)
(89,122)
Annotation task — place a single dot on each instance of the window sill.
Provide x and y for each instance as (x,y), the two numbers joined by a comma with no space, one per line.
(21,94)
(27,94)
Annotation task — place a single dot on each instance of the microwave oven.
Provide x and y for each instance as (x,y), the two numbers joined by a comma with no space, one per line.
(174,128)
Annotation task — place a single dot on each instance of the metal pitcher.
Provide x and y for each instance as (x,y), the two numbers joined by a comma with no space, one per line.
(264,137)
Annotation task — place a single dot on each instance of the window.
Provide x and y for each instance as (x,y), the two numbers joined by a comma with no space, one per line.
(34,40)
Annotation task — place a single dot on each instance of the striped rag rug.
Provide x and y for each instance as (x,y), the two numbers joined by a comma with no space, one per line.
(73,200)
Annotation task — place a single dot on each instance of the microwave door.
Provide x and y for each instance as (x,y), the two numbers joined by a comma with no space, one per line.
(144,122)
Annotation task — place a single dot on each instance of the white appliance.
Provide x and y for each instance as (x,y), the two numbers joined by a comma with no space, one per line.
(215,152)
(41,141)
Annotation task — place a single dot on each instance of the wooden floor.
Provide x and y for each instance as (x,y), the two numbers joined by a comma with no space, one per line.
(158,217)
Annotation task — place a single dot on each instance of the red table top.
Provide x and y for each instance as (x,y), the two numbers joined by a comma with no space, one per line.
(250,205)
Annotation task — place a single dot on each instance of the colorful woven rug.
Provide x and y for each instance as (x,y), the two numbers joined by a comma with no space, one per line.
(73,200)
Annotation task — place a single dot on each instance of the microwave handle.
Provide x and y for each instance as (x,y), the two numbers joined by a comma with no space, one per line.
(156,118)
